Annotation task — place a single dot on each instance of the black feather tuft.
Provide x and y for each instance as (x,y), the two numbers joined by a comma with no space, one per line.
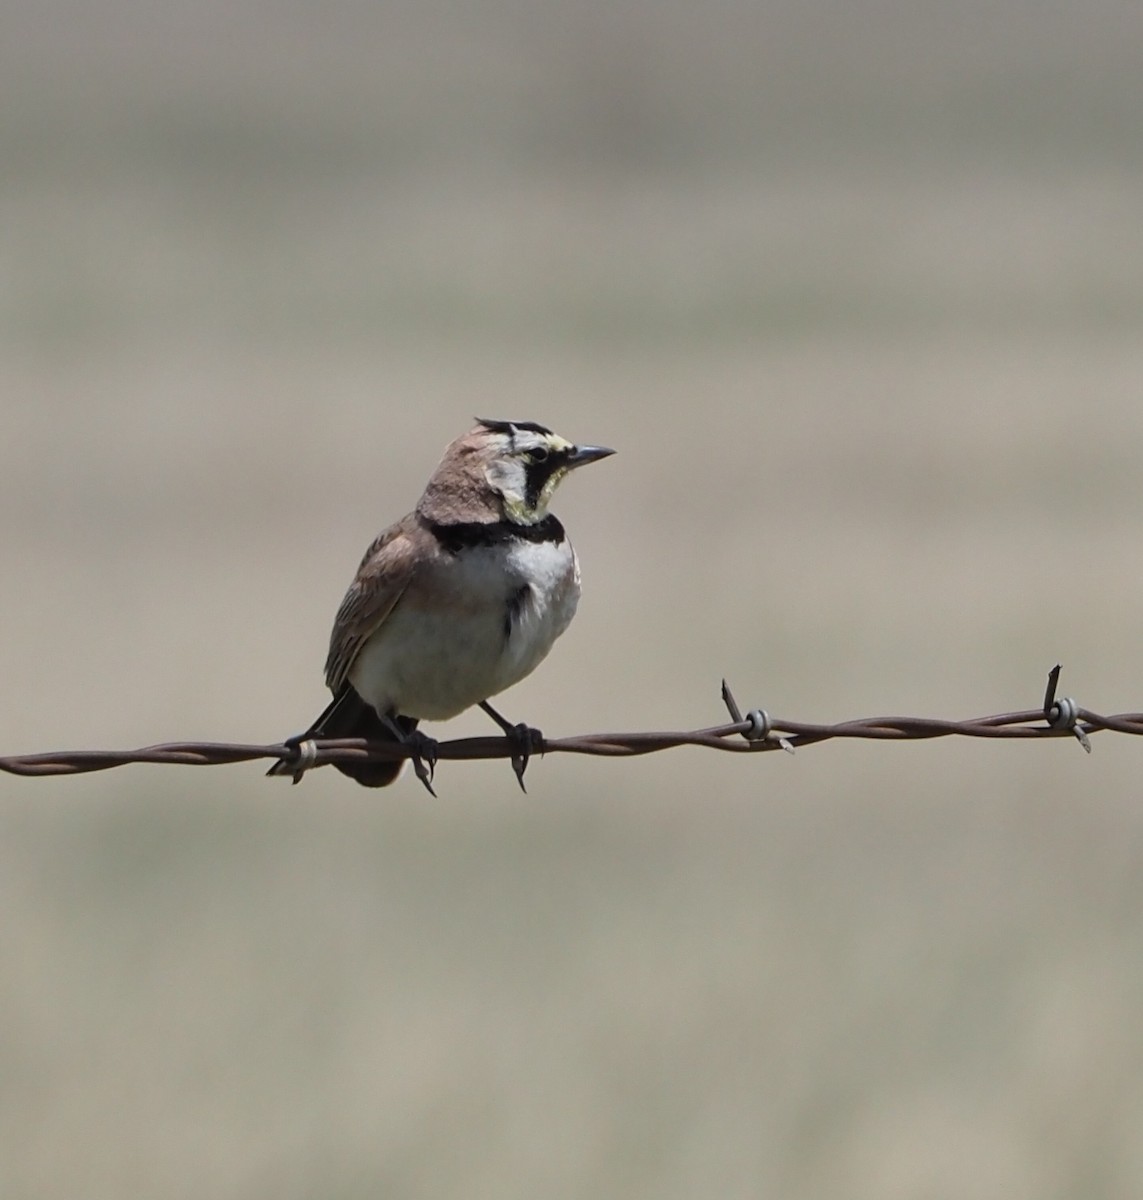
(508,426)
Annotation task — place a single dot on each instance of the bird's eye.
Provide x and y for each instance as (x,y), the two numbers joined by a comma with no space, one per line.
(539,454)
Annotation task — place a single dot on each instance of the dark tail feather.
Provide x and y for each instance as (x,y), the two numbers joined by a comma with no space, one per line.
(347,715)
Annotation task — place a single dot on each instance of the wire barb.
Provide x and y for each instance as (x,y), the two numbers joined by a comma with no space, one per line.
(755,733)
(307,753)
(1063,714)
(758,726)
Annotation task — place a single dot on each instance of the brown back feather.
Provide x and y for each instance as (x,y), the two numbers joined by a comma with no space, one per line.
(384,574)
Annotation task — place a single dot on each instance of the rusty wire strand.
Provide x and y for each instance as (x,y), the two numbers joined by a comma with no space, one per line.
(755,733)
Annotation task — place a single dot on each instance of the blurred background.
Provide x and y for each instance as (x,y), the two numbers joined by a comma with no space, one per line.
(856,291)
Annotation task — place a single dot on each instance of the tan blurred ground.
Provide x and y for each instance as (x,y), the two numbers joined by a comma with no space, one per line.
(856,290)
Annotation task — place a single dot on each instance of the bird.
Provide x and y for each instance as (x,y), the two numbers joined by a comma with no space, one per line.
(455,602)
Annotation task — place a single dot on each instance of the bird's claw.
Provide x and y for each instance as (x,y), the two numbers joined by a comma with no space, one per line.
(424,758)
(528,742)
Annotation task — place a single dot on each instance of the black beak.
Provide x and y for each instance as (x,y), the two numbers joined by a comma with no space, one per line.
(580,456)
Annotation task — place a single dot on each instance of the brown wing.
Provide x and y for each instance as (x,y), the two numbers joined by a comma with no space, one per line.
(381,579)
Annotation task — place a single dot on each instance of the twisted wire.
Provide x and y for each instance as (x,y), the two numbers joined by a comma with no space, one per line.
(755,732)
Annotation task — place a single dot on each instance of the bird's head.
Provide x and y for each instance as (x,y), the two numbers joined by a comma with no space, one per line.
(503,469)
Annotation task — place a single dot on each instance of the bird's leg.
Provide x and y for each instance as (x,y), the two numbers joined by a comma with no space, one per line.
(527,741)
(424,750)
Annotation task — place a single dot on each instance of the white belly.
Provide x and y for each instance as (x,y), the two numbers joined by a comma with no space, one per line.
(433,663)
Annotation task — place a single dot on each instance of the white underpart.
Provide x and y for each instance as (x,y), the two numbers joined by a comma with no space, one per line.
(435,664)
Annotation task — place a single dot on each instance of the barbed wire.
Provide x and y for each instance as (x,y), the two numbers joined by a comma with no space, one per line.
(756,732)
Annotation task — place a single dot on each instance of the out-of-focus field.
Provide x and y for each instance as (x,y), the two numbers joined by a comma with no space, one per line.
(856,290)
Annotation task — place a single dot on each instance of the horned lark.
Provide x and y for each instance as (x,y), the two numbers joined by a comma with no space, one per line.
(456,602)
